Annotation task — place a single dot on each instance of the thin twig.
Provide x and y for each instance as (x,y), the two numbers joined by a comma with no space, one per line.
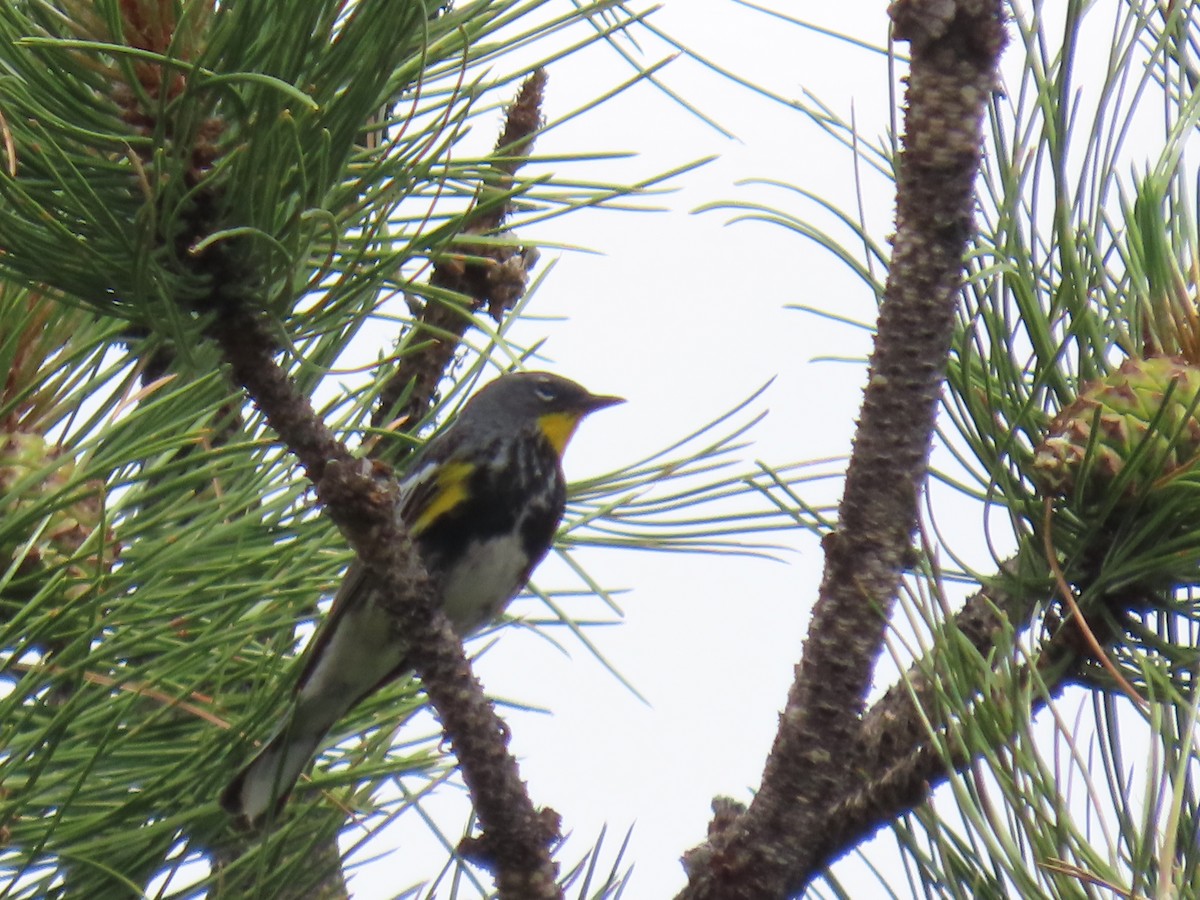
(489,275)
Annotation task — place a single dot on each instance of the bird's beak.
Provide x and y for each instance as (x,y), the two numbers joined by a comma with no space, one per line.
(558,427)
(599,401)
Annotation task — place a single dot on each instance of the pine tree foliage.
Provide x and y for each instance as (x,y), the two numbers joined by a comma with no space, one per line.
(162,163)
(162,561)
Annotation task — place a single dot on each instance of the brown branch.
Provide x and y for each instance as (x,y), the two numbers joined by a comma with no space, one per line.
(249,350)
(898,760)
(900,720)
(908,742)
(361,499)
(897,790)
(771,850)
(486,274)
(901,782)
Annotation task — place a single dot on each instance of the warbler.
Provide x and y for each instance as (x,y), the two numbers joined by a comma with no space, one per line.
(482,503)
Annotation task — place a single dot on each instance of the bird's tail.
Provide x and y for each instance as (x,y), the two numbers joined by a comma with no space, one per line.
(354,653)
(266,781)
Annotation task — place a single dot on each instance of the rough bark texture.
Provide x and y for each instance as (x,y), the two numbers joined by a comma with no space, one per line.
(900,720)
(893,784)
(361,499)
(775,848)
(491,276)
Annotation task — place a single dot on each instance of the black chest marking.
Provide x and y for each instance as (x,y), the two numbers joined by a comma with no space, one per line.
(522,490)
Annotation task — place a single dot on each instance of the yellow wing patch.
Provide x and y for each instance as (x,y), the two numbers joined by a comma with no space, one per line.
(558,428)
(449,490)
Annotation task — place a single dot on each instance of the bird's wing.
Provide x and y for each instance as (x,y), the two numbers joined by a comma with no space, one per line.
(437,483)
(435,488)
(351,585)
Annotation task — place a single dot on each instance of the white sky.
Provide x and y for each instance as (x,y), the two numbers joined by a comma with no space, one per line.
(685,316)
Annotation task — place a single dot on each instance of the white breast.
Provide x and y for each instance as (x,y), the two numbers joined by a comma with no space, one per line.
(479,587)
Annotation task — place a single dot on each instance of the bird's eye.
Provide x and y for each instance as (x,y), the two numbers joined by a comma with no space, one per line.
(545,393)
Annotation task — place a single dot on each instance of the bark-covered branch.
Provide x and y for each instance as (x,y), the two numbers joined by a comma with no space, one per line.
(772,849)
(893,783)
(489,275)
(899,721)
(361,500)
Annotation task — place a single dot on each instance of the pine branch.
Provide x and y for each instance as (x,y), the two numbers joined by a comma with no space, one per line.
(491,275)
(903,778)
(899,722)
(770,850)
(515,836)
(910,742)
(361,500)
(185,174)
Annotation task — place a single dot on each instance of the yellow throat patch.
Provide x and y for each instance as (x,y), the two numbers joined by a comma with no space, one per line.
(558,428)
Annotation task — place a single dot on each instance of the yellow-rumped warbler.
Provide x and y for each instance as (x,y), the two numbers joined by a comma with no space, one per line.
(482,502)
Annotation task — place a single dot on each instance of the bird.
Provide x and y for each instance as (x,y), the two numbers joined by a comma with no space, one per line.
(482,501)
